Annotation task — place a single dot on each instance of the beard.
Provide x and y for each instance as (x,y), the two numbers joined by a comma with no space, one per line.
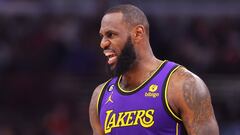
(125,60)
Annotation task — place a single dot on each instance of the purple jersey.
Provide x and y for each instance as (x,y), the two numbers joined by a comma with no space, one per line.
(141,111)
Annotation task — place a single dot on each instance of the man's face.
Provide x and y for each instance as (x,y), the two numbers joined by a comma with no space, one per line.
(116,43)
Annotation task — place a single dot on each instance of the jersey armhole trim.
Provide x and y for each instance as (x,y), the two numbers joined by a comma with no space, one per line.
(166,104)
(177,127)
(100,96)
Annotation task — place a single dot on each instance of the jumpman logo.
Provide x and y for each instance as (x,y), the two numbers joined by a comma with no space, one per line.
(110,99)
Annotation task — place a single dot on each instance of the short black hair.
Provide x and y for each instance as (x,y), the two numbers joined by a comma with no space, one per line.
(131,15)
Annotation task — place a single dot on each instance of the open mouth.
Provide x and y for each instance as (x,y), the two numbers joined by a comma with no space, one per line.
(112,57)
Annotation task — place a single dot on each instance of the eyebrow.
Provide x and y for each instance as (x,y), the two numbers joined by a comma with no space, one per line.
(107,32)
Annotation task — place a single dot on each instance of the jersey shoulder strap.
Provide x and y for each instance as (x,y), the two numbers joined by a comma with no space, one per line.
(100,95)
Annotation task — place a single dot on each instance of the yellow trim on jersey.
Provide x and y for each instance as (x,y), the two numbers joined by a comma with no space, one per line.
(100,93)
(165,95)
(177,129)
(128,91)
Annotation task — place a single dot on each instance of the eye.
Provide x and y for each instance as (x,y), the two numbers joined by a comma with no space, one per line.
(109,34)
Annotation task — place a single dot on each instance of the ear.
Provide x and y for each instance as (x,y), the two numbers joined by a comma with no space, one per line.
(138,33)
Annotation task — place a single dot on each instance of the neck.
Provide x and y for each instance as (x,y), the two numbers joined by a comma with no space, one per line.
(140,72)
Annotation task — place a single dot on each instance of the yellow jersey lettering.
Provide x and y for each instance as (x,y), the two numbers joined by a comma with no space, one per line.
(121,117)
(112,121)
(140,114)
(150,122)
(107,129)
(129,118)
(150,94)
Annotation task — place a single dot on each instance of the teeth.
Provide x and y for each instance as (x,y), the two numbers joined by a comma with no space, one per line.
(111,60)
(109,54)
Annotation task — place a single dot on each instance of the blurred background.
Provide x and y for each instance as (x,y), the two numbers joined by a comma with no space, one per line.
(50,59)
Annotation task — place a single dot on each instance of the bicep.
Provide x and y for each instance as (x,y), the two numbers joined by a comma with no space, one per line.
(195,106)
(93,115)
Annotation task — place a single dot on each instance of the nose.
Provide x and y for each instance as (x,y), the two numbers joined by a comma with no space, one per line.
(104,43)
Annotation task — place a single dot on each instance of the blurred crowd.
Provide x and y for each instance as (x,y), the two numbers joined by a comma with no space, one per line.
(50,64)
(45,68)
(205,45)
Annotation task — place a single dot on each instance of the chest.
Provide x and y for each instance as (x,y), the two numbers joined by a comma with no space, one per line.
(140,110)
(148,97)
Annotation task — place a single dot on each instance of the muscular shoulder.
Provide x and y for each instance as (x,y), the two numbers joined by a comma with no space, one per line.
(93,111)
(186,87)
(94,99)
(190,98)
(96,93)
(182,76)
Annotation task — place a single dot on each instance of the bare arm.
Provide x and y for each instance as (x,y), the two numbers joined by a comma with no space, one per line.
(191,99)
(94,118)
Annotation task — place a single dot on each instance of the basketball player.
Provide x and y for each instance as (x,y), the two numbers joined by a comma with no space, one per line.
(145,96)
